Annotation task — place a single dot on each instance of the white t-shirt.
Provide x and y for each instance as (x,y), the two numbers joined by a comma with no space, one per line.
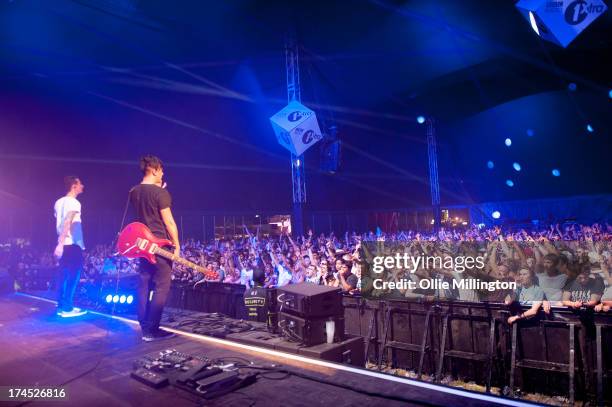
(552,286)
(284,276)
(246,277)
(62,207)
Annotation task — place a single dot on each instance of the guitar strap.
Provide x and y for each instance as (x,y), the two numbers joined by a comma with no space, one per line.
(114,244)
(127,204)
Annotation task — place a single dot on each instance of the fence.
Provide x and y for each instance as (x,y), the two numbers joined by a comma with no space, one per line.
(470,341)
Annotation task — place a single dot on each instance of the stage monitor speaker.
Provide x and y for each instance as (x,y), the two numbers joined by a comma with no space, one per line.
(310,300)
(309,331)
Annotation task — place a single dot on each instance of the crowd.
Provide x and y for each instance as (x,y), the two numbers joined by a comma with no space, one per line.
(563,266)
(569,265)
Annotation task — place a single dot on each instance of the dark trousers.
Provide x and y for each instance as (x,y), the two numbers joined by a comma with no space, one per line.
(70,267)
(153,290)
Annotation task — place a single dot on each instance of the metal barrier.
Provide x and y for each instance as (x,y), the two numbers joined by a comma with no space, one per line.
(430,337)
(574,346)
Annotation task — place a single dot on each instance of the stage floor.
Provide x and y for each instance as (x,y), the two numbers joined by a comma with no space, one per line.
(93,355)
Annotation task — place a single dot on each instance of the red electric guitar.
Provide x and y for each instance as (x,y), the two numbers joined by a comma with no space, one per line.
(136,240)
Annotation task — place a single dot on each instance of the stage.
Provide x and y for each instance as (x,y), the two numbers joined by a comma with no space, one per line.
(92,357)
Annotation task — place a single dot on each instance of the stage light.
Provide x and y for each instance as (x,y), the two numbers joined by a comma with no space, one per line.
(530,132)
(590,128)
(490,165)
(109,298)
(420,119)
(116,299)
(129,299)
(508,142)
(510,183)
(516,166)
(534,25)
(122,299)
(556,173)
(297,162)
(496,215)
(572,86)
(610,94)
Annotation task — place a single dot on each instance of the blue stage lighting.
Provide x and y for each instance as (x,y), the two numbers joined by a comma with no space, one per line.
(510,183)
(516,166)
(109,298)
(590,128)
(556,173)
(610,94)
(530,132)
(129,299)
(122,299)
(490,165)
(496,214)
(508,142)
(420,119)
(116,299)
(572,86)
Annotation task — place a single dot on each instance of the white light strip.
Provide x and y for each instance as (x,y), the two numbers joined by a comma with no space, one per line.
(316,362)
(533,22)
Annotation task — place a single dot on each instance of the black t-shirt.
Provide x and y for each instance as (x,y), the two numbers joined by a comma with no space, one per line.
(583,293)
(148,200)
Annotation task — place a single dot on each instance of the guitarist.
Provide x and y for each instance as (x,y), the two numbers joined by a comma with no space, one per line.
(151,202)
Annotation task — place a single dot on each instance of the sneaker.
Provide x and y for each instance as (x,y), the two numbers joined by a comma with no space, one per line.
(76,312)
(158,336)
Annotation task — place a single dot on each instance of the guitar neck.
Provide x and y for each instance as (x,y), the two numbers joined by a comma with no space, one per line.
(170,256)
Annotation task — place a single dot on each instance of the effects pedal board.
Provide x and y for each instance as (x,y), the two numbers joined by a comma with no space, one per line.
(150,378)
(216,381)
(196,374)
(168,364)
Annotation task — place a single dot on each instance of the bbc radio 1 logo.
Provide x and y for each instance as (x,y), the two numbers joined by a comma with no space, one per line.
(297,115)
(308,137)
(578,10)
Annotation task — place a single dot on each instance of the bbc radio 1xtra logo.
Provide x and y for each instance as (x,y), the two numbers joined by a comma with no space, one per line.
(577,11)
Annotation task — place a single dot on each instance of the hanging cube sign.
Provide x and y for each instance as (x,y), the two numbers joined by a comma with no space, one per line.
(296,128)
(560,21)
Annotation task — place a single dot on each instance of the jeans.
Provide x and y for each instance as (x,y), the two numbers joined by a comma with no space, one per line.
(70,267)
(155,279)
